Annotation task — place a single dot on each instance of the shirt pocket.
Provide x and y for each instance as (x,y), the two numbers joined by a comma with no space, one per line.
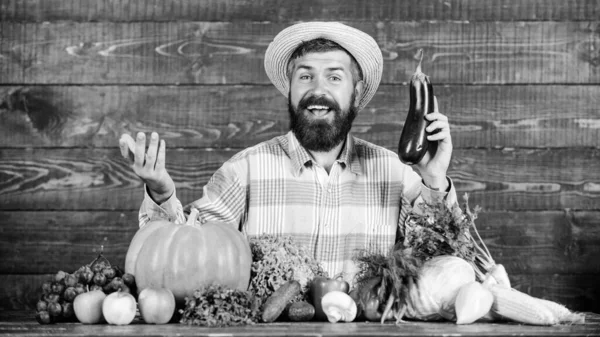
(370,229)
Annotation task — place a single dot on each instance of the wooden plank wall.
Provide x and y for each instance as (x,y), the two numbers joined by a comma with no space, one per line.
(517,78)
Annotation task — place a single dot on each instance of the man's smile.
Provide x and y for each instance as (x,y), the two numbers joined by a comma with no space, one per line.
(318,111)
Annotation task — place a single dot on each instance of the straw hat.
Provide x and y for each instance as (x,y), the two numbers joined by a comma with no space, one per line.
(361,45)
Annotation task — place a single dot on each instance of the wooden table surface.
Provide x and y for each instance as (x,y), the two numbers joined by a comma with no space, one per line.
(22,323)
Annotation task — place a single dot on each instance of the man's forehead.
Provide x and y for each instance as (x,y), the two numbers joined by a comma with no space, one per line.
(334,58)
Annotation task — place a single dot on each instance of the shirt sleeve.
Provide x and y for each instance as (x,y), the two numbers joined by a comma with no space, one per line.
(224,196)
(170,210)
(223,199)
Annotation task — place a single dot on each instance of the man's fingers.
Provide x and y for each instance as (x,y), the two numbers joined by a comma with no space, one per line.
(140,149)
(435,116)
(124,148)
(127,146)
(160,159)
(152,151)
(440,135)
(437,125)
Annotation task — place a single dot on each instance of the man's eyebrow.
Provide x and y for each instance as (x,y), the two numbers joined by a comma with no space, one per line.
(302,66)
(307,67)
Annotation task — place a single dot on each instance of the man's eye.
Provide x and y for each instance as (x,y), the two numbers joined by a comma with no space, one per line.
(305,77)
(335,78)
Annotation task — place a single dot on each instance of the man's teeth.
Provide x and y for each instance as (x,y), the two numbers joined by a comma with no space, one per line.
(318,107)
(318,110)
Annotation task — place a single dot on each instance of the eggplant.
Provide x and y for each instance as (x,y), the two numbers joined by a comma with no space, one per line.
(413,142)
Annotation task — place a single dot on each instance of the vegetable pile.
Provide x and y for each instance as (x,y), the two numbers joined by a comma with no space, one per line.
(441,269)
(281,272)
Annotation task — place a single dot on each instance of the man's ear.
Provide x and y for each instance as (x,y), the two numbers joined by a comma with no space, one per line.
(358,90)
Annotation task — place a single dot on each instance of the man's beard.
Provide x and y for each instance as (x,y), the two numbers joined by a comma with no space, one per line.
(320,135)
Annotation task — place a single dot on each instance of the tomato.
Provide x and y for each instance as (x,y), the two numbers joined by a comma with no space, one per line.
(320,286)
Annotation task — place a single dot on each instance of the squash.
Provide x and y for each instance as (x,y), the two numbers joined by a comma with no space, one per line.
(186,257)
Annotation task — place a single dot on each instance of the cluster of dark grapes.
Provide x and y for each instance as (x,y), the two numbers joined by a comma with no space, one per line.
(58,294)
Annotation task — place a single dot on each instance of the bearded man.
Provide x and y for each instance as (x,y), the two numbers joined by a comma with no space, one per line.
(332,192)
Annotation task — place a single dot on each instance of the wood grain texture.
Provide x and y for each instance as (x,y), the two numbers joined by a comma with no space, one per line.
(232,53)
(543,242)
(46,242)
(521,179)
(93,179)
(577,292)
(20,324)
(236,116)
(99,179)
(552,242)
(281,10)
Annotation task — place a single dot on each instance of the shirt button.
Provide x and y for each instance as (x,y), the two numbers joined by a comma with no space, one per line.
(202,220)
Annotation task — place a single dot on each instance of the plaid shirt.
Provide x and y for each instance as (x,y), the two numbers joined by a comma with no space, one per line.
(275,187)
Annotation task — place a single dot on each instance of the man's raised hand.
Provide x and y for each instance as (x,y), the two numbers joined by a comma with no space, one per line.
(149,164)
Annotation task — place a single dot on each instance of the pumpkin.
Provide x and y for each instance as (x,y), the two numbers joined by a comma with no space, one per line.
(186,257)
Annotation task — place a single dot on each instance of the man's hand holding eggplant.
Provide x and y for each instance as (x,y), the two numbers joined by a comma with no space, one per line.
(425,139)
(434,165)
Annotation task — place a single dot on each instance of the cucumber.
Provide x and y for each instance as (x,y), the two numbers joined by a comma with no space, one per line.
(278,301)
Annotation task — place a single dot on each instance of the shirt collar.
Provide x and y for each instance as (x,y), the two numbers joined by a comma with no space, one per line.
(300,156)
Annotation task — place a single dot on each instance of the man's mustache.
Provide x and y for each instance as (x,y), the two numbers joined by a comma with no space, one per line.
(307,101)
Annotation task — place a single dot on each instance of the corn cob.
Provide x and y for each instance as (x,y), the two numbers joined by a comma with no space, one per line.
(520,307)
(562,313)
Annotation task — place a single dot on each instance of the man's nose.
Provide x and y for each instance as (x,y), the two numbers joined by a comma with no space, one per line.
(319,87)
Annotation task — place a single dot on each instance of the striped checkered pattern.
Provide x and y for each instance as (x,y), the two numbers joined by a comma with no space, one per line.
(276,188)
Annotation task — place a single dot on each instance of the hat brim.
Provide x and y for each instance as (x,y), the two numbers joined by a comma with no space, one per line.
(360,44)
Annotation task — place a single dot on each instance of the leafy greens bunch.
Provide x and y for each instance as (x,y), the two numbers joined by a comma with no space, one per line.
(218,306)
(441,230)
(278,259)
